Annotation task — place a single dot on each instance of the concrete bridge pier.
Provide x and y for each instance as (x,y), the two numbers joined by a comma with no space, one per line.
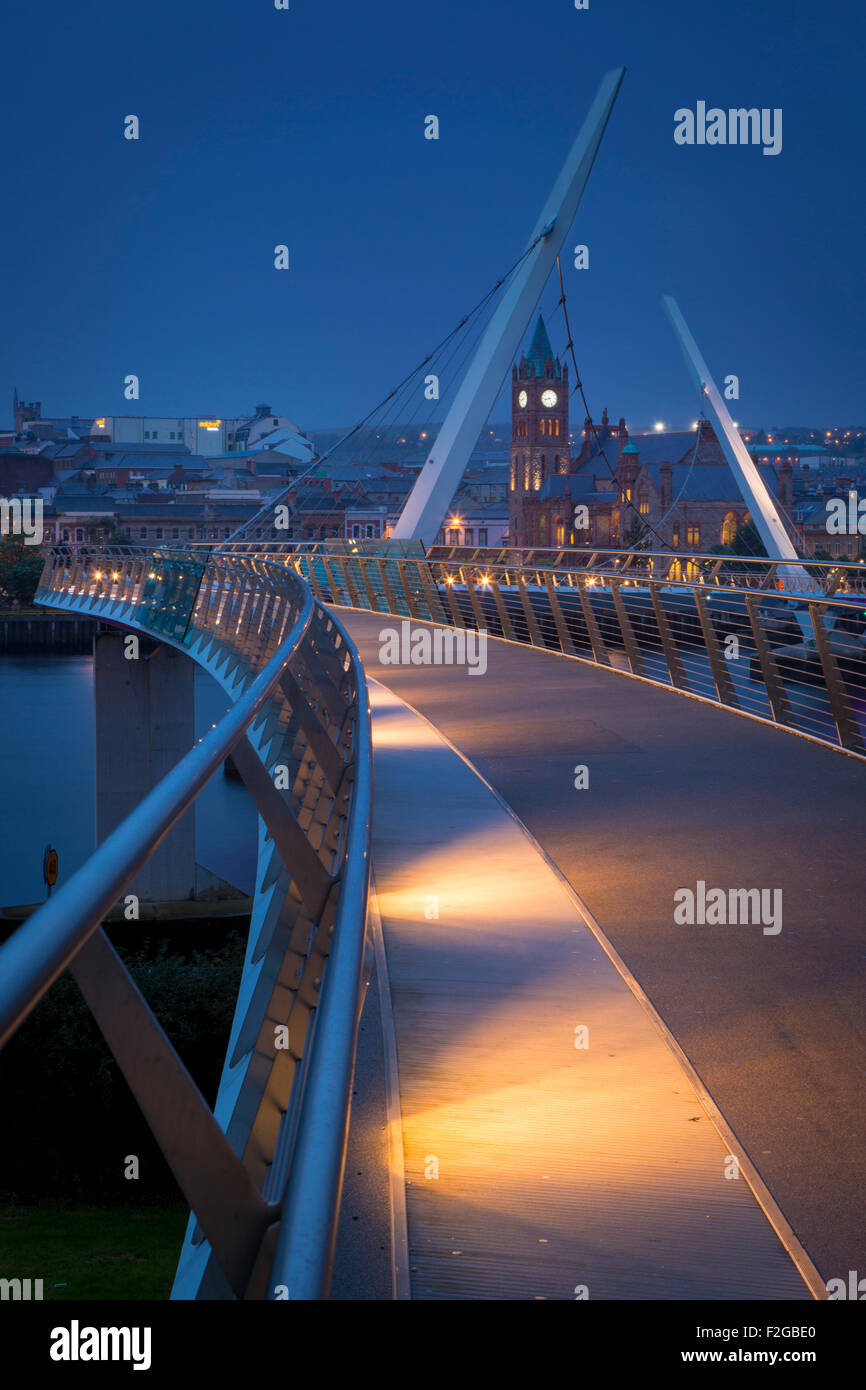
(145,723)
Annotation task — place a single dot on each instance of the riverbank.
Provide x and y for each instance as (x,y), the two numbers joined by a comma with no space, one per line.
(25,630)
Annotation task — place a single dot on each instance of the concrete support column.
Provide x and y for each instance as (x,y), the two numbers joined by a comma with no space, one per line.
(145,723)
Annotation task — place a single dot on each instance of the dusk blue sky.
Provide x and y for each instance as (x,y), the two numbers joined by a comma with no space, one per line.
(261,126)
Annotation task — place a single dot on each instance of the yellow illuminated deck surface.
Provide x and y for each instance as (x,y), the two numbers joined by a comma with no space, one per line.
(535,1168)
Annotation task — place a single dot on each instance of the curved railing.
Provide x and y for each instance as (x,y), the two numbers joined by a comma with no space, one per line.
(262,1173)
(725,631)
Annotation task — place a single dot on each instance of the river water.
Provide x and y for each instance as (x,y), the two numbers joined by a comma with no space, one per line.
(47,778)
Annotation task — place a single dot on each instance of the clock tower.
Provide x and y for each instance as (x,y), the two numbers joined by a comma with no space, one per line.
(539,427)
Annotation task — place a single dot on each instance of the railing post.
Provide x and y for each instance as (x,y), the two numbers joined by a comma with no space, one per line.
(847,727)
(669,646)
(565,643)
(718,666)
(502,610)
(632,651)
(534,630)
(599,650)
(778,696)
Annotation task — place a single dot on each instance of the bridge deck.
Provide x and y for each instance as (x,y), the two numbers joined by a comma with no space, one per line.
(680,791)
(535,1168)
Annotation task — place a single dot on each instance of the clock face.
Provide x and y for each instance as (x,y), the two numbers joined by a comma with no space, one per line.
(548,399)
(522,399)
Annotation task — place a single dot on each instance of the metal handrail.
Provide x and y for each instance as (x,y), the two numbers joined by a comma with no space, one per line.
(754,572)
(43,946)
(798,662)
(298,688)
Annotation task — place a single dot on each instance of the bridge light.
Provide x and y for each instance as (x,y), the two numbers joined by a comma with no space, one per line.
(97,574)
(659,425)
(449,579)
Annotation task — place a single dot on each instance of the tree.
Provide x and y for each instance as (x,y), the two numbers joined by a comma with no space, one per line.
(20,570)
(636,532)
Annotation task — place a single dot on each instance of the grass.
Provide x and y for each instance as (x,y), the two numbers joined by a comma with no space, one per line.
(93,1252)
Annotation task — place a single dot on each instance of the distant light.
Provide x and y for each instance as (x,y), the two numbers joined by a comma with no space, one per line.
(659,425)
(100,424)
(694,424)
(209,424)
(736,426)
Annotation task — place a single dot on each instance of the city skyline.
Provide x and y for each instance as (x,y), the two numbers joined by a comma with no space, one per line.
(156,256)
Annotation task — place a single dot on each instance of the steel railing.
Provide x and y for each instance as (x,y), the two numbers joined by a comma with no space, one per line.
(262,1173)
(724,634)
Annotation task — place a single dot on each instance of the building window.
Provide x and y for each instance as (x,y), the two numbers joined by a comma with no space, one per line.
(468,536)
(675,536)
(542,530)
(559,531)
(356,531)
(159,533)
(729,528)
(482,535)
(370,532)
(643,504)
(693,535)
(142,533)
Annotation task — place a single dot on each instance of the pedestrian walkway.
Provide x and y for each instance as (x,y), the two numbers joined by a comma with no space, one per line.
(554,1145)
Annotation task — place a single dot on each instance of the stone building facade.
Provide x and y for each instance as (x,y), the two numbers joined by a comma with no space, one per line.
(674,488)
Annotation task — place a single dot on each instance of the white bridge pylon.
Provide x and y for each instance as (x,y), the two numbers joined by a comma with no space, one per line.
(427,503)
(761,506)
